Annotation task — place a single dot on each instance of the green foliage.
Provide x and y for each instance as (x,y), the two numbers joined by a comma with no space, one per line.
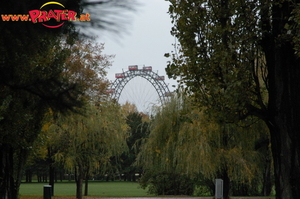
(85,142)
(138,130)
(31,64)
(86,65)
(32,79)
(168,184)
(238,59)
(89,139)
(218,58)
(186,141)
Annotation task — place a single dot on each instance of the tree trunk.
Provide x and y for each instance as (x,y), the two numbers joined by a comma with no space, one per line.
(267,181)
(51,171)
(79,179)
(86,187)
(284,123)
(86,184)
(226,184)
(79,188)
(7,188)
(283,106)
(10,171)
(51,177)
(61,175)
(28,175)
(284,128)
(21,157)
(69,177)
(286,164)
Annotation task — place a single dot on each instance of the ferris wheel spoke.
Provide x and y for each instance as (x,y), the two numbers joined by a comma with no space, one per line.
(142,87)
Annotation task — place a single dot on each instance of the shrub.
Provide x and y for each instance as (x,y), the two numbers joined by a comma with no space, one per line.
(168,184)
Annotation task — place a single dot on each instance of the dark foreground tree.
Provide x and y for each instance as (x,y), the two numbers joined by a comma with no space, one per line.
(31,83)
(241,58)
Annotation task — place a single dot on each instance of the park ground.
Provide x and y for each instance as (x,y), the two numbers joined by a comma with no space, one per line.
(99,189)
(103,190)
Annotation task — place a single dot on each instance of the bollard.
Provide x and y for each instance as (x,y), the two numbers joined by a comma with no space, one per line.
(219,189)
(47,191)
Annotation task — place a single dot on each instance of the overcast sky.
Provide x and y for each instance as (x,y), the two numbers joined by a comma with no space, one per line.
(145,43)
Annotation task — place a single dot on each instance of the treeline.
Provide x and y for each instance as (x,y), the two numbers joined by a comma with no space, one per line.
(180,150)
(187,150)
(98,143)
(47,157)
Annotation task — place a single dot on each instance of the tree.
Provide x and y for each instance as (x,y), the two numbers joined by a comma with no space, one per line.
(113,18)
(30,83)
(37,158)
(186,141)
(240,58)
(138,130)
(85,142)
(86,65)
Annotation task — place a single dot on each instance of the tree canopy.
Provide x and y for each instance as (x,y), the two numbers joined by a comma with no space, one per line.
(85,142)
(240,58)
(32,80)
(30,83)
(186,141)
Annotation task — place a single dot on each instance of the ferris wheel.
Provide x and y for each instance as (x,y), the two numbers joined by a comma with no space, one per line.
(146,73)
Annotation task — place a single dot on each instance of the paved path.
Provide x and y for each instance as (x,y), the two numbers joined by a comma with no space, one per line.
(175,197)
(91,197)
(167,197)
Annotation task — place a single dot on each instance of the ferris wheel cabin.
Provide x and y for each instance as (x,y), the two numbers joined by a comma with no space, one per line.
(160,78)
(110,91)
(147,68)
(120,75)
(133,67)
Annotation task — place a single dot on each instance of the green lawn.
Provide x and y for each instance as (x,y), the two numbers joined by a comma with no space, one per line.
(101,189)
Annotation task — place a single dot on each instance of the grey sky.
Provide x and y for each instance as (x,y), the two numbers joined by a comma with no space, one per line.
(146,42)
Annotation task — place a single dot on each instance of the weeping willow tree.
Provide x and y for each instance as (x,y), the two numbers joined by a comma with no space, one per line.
(186,141)
(220,43)
(85,142)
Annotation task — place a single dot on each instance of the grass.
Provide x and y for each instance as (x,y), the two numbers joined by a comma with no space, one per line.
(99,189)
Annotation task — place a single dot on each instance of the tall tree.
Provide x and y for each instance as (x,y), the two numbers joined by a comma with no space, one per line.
(86,141)
(31,82)
(185,140)
(240,58)
(138,130)
(85,65)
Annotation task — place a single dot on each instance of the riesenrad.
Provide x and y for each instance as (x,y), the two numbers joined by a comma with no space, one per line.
(140,86)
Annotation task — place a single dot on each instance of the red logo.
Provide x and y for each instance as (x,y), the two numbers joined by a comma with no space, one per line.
(44,16)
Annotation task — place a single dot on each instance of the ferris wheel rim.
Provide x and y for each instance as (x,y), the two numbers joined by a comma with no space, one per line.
(146,72)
